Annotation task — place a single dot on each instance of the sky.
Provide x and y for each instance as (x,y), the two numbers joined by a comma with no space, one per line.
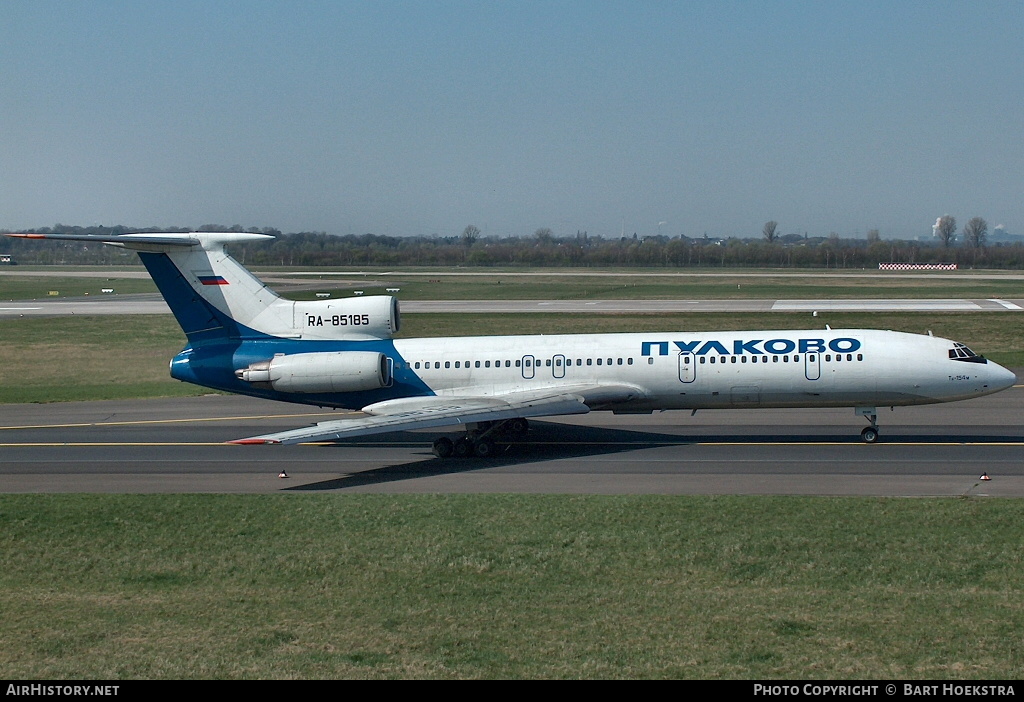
(405,117)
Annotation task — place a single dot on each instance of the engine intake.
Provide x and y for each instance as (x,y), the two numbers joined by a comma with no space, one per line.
(326,371)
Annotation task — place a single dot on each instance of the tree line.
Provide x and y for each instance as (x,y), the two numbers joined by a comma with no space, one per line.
(544,248)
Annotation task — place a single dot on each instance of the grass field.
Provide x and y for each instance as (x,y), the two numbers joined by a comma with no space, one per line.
(503,586)
(32,288)
(570,284)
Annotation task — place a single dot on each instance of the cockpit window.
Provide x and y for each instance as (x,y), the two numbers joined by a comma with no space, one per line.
(960,352)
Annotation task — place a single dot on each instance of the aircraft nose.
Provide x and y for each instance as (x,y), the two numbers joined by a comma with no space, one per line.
(1002,378)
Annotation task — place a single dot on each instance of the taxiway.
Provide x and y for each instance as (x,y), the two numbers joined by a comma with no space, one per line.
(177,445)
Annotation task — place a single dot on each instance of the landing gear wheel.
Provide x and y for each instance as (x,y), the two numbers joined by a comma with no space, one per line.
(463,448)
(517,428)
(870,435)
(483,448)
(443,447)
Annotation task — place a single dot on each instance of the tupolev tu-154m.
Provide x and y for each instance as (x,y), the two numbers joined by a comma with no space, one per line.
(244,338)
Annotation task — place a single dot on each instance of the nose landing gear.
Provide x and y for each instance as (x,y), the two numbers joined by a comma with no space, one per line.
(869,434)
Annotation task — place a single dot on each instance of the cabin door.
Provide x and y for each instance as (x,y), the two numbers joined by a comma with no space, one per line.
(687,367)
(812,366)
(528,367)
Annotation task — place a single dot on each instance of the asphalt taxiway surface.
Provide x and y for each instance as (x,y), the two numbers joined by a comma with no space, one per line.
(177,446)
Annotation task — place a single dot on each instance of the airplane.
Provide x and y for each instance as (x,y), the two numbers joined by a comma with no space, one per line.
(341,353)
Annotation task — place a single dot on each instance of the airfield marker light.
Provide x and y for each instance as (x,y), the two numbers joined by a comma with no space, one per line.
(282,474)
(984,476)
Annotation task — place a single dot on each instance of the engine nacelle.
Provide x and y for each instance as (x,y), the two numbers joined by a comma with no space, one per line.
(326,371)
(374,317)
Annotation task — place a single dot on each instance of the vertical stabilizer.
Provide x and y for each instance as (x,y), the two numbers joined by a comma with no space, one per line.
(211,294)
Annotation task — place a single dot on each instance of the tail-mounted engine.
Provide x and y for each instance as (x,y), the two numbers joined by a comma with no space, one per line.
(329,371)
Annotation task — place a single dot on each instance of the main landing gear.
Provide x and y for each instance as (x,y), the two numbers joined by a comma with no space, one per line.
(870,433)
(482,440)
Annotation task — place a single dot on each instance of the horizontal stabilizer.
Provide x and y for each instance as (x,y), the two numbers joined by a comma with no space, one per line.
(145,241)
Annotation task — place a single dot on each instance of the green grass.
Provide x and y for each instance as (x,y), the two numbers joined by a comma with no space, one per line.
(89,358)
(503,586)
(37,287)
(118,357)
(568,284)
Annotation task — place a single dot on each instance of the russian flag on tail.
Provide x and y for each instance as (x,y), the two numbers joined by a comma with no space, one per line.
(213,280)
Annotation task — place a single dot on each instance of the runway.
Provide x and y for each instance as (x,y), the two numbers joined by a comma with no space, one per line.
(176,446)
(153,304)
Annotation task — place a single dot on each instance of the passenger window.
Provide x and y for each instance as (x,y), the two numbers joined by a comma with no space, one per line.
(447,364)
(733,359)
(650,360)
(629,361)
(437,364)
(457,364)
(599,361)
(590,361)
(702,359)
(860,357)
(785,359)
(487,364)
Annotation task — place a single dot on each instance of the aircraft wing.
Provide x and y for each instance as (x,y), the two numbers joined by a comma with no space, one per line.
(441,411)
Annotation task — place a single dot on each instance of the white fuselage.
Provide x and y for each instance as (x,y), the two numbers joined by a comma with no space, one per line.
(675,370)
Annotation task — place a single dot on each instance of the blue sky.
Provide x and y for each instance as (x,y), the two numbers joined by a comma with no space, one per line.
(419,118)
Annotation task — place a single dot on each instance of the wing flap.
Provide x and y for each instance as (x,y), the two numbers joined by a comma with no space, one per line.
(408,413)
(452,412)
